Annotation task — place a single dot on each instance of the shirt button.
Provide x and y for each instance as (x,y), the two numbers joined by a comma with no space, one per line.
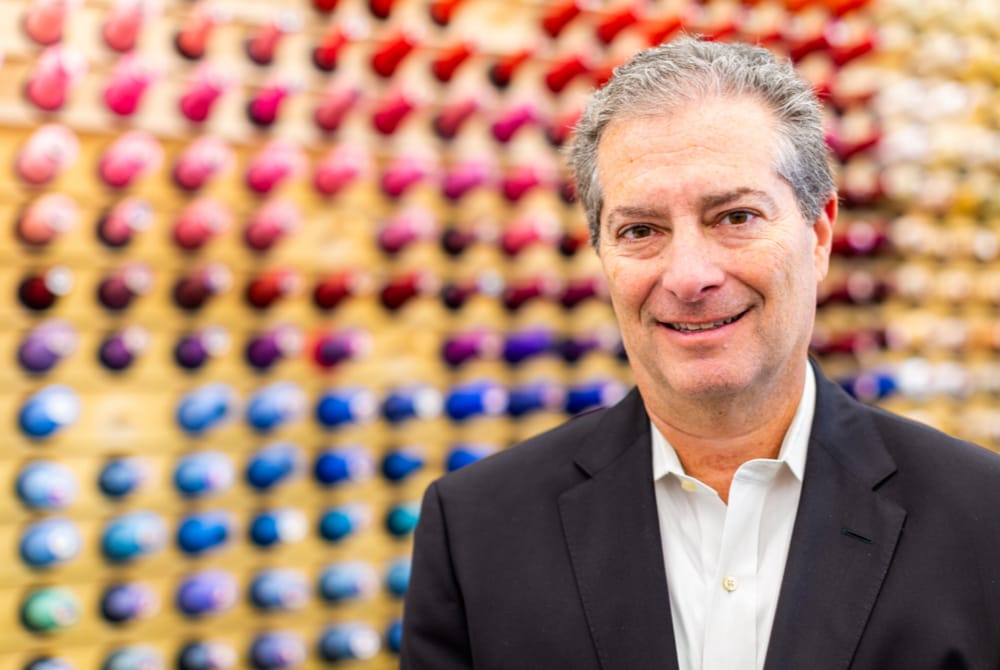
(689,485)
(729,583)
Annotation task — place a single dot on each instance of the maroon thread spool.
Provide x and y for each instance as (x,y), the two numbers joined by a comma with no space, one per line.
(193,290)
(41,290)
(122,286)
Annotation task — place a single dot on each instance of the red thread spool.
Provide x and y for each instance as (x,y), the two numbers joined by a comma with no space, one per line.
(444,66)
(401,289)
(612,26)
(326,54)
(272,286)
(565,71)
(381,9)
(200,222)
(502,72)
(559,16)
(331,290)
(392,110)
(391,53)
(441,11)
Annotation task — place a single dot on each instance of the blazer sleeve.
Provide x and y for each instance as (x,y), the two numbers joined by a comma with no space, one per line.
(435,632)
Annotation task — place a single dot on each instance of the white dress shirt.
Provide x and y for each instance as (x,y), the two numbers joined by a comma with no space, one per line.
(724,563)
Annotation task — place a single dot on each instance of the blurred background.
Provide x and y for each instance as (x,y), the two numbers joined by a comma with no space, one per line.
(272,266)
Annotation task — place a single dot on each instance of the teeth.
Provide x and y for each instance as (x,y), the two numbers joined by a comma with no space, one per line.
(695,327)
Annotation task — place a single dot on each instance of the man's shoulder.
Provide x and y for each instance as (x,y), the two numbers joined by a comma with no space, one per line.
(538,459)
(921,450)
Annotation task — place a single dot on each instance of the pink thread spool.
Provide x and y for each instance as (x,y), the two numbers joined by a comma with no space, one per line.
(48,217)
(128,82)
(131,156)
(341,166)
(263,44)
(271,222)
(125,22)
(118,227)
(47,153)
(57,70)
(335,105)
(192,39)
(202,161)
(200,222)
(202,92)
(265,105)
(45,20)
(274,164)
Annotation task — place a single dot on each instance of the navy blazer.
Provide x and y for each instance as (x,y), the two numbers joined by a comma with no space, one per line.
(548,555)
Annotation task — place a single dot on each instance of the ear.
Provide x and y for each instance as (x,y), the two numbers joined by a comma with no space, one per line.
(823,230)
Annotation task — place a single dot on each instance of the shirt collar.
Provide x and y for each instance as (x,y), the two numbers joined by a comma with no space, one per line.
(793,446)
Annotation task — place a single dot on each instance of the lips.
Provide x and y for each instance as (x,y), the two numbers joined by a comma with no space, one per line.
(702,326)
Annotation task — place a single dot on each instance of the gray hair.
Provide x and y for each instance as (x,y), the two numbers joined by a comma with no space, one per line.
(665,78)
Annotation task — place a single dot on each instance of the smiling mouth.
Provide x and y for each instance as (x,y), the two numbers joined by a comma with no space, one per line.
(682,327)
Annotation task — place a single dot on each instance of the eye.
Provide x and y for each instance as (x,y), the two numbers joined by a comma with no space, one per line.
(738,217)
(636,232)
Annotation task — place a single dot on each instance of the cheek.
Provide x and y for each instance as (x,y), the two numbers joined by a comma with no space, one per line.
(627,284)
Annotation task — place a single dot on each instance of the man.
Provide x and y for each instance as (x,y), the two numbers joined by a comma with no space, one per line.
(736,510)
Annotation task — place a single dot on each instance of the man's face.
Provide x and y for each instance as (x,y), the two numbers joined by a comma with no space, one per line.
(712,269)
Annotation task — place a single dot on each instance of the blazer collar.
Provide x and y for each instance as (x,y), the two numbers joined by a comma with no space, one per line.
(612,531)
(843,541)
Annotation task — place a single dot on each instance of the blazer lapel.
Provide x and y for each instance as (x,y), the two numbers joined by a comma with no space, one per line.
(612,532)
(843,541)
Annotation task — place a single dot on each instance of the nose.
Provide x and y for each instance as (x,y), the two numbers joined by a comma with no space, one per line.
(691,265)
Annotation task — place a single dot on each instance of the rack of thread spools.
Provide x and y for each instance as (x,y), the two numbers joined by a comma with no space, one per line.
(275,266)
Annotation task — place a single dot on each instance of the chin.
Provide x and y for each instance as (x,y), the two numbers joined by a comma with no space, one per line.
(708,380)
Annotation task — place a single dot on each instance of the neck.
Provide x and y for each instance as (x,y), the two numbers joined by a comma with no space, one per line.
(713,439)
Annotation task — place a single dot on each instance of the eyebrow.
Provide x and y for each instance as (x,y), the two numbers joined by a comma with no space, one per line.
(635,212)
(712,201)
(709,201)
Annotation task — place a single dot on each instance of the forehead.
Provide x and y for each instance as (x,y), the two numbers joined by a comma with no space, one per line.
(718,138)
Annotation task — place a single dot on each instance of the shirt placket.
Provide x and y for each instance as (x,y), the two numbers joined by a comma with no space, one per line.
(731,624)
